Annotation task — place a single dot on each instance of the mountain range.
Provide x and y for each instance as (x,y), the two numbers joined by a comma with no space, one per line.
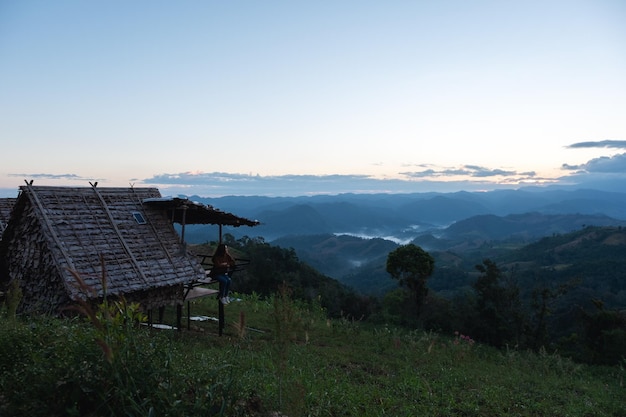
(404,217)
(348,236)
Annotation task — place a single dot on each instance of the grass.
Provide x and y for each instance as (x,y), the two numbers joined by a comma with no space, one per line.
(278,355)
(342,367)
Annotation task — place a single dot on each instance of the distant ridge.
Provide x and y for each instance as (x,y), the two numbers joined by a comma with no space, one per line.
(407,216)
(525,226)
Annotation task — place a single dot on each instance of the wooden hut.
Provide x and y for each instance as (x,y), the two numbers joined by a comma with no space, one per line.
(6,206)
(120,241)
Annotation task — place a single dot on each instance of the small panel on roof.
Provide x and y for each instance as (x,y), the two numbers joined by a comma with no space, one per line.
(139,217)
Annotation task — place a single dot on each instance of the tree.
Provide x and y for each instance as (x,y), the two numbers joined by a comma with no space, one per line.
(411,266)
(498,306)
(543,299)
(604,335)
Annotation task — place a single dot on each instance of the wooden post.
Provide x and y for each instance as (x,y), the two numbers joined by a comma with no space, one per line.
(221,316)
(220,310)
(188,316)
(179,316)
(182,232)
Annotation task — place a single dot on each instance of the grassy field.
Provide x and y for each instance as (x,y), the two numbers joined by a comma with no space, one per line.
(280,358)
(292,359)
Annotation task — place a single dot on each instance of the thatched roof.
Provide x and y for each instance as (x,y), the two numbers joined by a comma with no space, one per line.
(6,205)
(137,243)
(185,211)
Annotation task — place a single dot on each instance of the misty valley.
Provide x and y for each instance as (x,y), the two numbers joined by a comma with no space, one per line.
(557,249)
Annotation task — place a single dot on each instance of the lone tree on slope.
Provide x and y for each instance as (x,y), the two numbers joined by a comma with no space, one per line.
(411,266)
(498,305)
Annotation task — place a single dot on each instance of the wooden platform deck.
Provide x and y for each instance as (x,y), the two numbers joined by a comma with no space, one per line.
(199,292)
(198,289)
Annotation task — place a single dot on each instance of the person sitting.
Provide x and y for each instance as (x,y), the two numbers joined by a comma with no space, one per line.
(223,262)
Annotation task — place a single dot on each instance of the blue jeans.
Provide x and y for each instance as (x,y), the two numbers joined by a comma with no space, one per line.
(224,281)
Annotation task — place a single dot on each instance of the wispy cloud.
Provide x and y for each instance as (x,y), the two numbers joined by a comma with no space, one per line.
(472,171)
(608,172)
(64,177)
(221,178)
(469,177)
(247,184)
(617,144)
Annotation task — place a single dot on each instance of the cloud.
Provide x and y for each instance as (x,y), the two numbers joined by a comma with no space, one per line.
(606,173)
(603,173)
(191,178)
(603,164)
(493,173)
(222,178)
(617,144)
(421,174)
(64,177)
(42,178)
(222,183)
(473,171)
(430,179)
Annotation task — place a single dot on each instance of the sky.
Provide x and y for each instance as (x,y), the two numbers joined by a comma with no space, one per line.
(217,98)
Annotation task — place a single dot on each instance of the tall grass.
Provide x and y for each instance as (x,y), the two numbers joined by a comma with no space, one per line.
(280,356)
(102,363)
